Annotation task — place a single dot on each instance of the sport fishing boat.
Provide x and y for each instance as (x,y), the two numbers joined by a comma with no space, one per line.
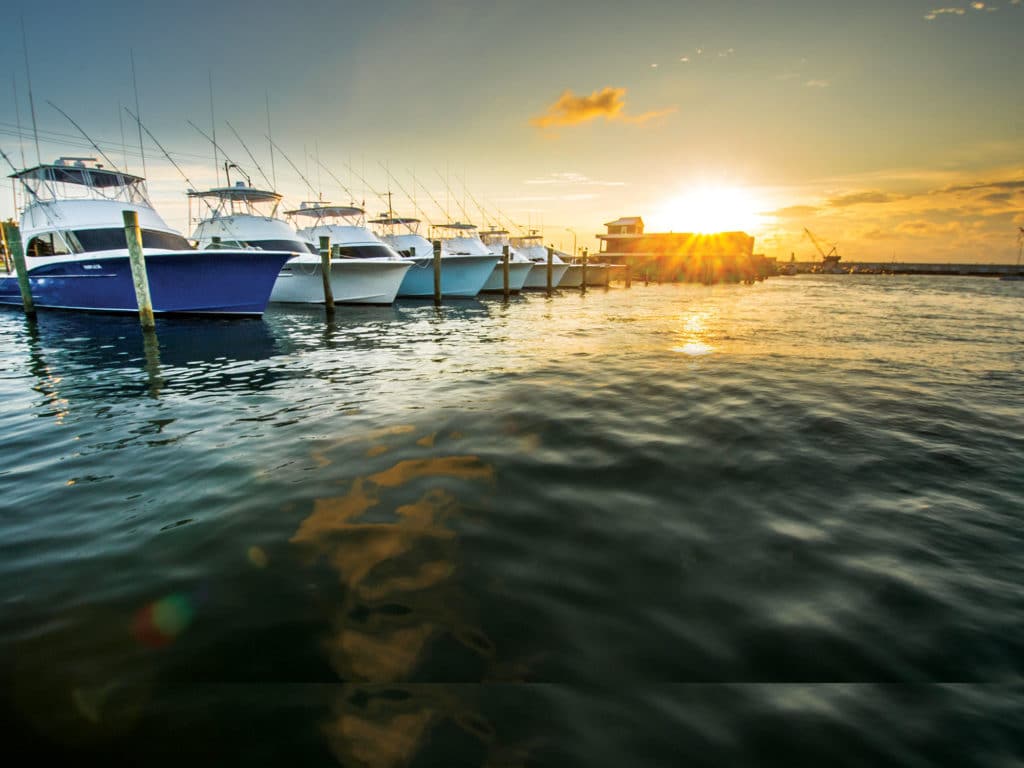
(463,271)
(532,247)
(76,250)
(364,270)
(244,217)
(518,265)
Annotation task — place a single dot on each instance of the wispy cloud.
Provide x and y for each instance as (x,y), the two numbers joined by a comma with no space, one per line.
(933,14)
(955,10)
(858,198)
(571,177)
(817,83)
(794,212)
(575,197)
(609,103)
(1011,184)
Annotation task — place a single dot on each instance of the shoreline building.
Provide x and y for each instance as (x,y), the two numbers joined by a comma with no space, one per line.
(726,257)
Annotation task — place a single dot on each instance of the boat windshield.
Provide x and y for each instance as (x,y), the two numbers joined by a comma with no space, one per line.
(112,239)
(364,252)
(296,246)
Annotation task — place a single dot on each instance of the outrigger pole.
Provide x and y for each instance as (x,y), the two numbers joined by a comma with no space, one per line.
(246,148)
(412,199)
(86,135)
(168,156)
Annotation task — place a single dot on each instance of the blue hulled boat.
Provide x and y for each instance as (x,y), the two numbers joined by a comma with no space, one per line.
(76,251)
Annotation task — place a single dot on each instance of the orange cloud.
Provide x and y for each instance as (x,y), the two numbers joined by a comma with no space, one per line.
(609,103)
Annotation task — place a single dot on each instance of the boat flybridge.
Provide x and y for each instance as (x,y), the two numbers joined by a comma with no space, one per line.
(519,267)
(532,247)
(244,217)
(76,250)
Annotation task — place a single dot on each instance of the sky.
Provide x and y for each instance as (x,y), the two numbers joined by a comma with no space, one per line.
(892,130)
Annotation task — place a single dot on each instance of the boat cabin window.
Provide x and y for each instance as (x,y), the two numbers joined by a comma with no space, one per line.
(281,245)
(113,239)
(363,252)
(47,244)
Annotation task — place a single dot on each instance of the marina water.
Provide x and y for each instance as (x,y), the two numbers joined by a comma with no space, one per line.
(770,524)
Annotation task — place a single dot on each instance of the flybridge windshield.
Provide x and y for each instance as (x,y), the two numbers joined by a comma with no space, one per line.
(53,182)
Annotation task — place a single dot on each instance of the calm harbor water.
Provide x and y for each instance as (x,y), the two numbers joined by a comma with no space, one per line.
(771,524)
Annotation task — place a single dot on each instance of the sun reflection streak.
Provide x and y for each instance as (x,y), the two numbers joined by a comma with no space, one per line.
(694,338)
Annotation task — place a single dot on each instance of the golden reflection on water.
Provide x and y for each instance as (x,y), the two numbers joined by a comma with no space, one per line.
(389,540)
(694,337)
(47,382)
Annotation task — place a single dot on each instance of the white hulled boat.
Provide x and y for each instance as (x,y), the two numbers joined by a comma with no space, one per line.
(237,219)
(532,247)
(519,266)
(363,269)
(598,274)
(76,250)
(463,274)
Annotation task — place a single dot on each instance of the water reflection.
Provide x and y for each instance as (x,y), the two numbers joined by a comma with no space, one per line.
(47,382)
(694,337)
(402,624)
(110,355)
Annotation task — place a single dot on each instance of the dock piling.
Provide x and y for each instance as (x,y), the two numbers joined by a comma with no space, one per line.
(551,266)
(325,273)
(583,281)
(437,271)
(12,241)
(8,266)
(629,275)
(504,270)
(137,260)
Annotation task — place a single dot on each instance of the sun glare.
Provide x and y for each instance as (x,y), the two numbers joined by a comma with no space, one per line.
(707,210)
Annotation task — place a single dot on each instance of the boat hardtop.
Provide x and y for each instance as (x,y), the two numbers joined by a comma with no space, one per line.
(344,224)
(390,220)
(322,210)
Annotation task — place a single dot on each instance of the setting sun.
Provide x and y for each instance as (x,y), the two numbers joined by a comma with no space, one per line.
(708,209)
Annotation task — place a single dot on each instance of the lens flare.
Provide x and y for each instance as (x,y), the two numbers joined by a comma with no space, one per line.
(160,623)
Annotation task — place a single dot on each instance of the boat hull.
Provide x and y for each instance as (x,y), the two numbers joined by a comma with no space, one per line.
(462,277)
(573,277)
(518,271)
(207,282)
(538,277)
(353,281)
(598,275)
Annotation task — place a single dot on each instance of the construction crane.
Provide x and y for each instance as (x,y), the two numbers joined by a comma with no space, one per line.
(832,253)
(829,259)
